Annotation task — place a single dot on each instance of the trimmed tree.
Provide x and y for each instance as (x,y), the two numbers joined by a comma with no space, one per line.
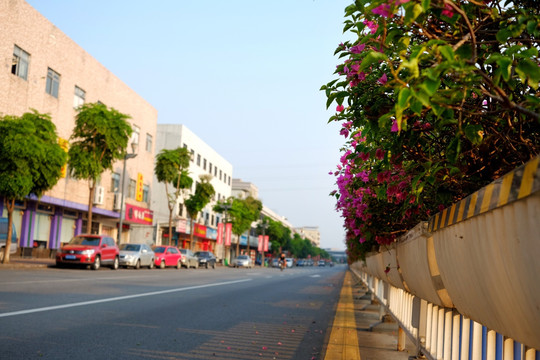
(172,170)
(31,161)
(101,136)
(243,213)
(197,201)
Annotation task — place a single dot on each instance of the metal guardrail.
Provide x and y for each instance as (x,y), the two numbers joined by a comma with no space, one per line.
(442,333)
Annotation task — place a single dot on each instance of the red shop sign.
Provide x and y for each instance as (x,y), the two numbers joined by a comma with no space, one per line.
(139,215)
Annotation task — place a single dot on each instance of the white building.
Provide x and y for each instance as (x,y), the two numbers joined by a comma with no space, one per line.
(205,160)
(311,233)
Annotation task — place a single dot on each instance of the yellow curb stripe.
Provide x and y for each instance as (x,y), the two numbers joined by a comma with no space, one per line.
(343,342)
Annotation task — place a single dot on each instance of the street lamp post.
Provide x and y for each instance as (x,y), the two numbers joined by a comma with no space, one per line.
(134,147)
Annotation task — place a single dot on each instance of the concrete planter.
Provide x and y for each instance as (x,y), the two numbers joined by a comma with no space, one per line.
(481,256)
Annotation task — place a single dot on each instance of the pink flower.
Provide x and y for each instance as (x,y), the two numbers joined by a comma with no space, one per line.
(448,11)
(364,156)
(383,79)
(379,154)
(383,10)
(357,49)
(340,108)
(395,127)
(372,26)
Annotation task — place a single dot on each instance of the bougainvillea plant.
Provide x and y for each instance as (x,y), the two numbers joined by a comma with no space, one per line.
(436,98)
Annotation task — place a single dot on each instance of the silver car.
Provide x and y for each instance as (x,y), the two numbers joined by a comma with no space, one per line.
(136,255)
(189,259)
(242,261)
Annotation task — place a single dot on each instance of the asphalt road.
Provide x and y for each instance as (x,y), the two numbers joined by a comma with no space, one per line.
(217,313)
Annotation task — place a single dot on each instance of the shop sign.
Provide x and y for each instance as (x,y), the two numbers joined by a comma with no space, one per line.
(199,230)
(211,233)
(139,215)
(181,226)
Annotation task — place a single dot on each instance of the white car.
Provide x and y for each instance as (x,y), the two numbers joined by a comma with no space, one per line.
(289,262)
(242,261)
(136,255)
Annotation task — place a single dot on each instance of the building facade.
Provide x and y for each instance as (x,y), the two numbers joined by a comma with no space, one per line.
(204,161)
(311,233)
(41,68)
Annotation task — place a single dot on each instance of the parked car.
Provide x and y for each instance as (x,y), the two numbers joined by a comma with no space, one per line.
(275,262)
(309,262)
(136,255)
(3,238)
(206,259)
(167,256)
(189,259)
(242,261)
(322,263)
(89,249)
(290,262)
(301,262)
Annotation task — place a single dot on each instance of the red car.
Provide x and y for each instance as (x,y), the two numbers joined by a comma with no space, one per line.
(89,249)
(167,256)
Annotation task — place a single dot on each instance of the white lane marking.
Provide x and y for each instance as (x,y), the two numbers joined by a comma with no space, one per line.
(48,281)
(118,298)
(315,276)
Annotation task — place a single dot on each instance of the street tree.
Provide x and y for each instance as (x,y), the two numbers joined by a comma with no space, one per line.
(242,213)
(100,138)
(204,191)
(31,161)
(172,170)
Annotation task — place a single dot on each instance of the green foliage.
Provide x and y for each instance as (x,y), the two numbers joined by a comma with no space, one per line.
(100,138)
(439,99)
(30,156)
(202,196)
(31,160)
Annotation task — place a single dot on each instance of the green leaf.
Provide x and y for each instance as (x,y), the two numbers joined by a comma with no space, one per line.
(529,72)
(475,133)
(426,4)
(447,52)
(403,97)
(412,11)
(430,86)
(503,35)
(505,67)
(372,57)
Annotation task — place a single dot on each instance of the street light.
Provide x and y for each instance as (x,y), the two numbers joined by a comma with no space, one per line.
(134,147)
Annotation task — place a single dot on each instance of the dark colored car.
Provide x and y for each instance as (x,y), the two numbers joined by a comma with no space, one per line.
(89,249)
(206,259)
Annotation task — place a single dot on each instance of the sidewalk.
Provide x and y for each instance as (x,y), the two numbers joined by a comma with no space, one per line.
(17,262)
(361,330)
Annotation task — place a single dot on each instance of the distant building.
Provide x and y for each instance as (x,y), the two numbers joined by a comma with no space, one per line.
(242,189)
(205,160)
(311,233)
(43,69)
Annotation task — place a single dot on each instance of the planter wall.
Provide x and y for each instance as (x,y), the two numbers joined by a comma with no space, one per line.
(481,256)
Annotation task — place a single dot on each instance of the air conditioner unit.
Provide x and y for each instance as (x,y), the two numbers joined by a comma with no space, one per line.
(99,195)
(117,201)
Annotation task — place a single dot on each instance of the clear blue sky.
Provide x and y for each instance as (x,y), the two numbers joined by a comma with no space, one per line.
(242,75)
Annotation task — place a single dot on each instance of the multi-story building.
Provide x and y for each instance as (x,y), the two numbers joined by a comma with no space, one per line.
(204,161)
(311,233)
(43,69)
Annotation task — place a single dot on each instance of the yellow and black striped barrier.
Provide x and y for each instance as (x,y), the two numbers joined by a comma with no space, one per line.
(513,186)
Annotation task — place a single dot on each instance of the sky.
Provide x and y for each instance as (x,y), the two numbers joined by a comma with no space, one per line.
(244,76)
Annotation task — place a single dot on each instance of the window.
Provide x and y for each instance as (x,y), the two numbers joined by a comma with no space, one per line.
(204,164)
(132,188)
(20,62)
(79,97)
(192,155)
(210,168)
(146,194)
(115,182)
(198,159)
(215,170)
(220,175)
(53,83)
(149,141)
(135,134)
